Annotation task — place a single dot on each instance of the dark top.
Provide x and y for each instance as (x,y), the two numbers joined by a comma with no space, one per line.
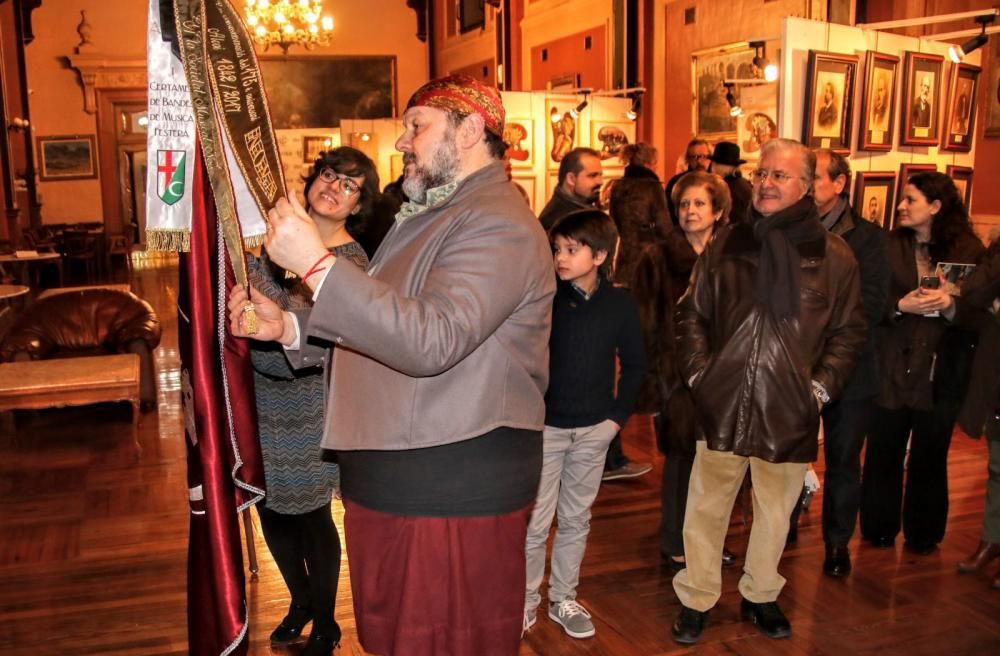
(492,474)
(559,206)
(587,334)
(975,308)
(867,242)
(742,195)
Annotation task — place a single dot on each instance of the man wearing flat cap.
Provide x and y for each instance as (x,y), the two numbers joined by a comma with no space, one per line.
(435,409)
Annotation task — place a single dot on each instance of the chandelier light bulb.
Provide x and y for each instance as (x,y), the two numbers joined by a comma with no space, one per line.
(288,29)
(279,18)
(260,30)
(286,23)
(327,23)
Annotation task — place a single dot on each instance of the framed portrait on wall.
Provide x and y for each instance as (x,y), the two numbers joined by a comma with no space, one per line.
(561,132)
(313,146)
(920,111)
(709,71)
(829,101)
(519,135)
(878,104)
(905,171)
(992,116)
(609,138)
(962,175)
(757,125)
(875,197)
(67,157)
(959,127)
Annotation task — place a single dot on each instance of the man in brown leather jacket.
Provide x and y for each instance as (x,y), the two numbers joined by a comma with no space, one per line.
(768,333)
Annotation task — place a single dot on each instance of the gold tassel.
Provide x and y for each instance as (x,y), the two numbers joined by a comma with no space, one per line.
(172,241)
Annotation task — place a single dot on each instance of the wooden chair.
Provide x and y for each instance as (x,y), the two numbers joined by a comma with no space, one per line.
(81,247)
(118,246)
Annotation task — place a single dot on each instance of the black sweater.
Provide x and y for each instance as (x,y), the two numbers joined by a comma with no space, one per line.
(586,336)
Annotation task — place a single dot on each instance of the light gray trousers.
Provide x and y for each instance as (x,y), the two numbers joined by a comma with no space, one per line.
(572,465)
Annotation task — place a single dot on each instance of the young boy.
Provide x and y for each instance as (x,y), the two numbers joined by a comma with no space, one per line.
(592,323)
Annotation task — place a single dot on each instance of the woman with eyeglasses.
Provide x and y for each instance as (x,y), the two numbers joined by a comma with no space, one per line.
(660,277)
(924,368)
(341,191)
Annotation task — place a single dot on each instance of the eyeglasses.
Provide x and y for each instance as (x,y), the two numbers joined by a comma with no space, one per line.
(779,177)
(694,158)
(348,187)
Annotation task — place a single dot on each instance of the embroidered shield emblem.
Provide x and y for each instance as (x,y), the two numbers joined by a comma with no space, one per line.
(170,175)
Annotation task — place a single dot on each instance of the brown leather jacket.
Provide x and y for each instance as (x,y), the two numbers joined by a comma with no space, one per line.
(752,373)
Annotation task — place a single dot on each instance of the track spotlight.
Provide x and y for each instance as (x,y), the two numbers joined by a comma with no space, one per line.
(958,53)
(768,70)
(575,112)
(734,108)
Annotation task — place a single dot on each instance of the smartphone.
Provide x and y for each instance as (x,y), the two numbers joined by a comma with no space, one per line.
(930,282)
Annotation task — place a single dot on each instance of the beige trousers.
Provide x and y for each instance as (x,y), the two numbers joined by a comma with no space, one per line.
(715,481)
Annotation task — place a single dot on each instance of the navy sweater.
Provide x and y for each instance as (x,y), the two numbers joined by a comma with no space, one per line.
(587,334)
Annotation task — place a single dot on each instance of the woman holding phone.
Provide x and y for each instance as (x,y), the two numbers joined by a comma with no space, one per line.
(924,368)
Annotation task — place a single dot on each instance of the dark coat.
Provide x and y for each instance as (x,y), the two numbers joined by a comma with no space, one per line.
(867,242)
(975,310)
(921,357)
(742,195)
(752,373)
(559,206)
(637,209)
(660,279)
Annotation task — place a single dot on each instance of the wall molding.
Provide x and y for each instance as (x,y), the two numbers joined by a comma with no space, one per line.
(100,72)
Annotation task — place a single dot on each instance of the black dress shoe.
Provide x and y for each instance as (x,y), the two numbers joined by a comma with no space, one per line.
(768,618)
(688,626)
(838,561)
(320,645)
(882,542)
(920,548)
(728,558)
(291,627)
(672,563)
(986,552)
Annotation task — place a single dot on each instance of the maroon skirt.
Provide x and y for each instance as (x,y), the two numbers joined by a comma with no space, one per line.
(429,586)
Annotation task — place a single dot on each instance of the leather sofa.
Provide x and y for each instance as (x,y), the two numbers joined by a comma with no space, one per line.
(88,322)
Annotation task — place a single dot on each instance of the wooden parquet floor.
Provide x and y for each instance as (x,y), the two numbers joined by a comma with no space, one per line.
(93,549)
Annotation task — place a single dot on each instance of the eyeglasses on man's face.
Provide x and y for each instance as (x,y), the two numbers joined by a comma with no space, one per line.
(348,187)
(695,157)
(778,177)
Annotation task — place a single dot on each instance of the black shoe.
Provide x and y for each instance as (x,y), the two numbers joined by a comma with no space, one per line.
(688,626)
(728,558)
(838,561)
(768,618)
(882,542)
(921,548)
(291,627)
(321,645)
(672,563)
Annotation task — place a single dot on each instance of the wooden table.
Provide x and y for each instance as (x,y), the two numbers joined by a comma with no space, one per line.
(23,261)
(38,384)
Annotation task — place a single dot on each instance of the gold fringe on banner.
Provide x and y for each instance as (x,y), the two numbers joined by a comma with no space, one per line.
(173,241)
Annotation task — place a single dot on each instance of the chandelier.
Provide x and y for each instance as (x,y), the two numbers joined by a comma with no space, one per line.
(288,23)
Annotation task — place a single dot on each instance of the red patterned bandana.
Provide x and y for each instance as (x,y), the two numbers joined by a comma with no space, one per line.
(465,95)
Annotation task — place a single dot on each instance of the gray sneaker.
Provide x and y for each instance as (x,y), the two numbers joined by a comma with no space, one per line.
(573,617)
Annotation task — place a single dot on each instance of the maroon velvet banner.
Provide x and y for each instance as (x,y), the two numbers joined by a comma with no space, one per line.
(225,473)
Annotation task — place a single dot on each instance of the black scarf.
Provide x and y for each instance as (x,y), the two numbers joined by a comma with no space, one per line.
(776,286)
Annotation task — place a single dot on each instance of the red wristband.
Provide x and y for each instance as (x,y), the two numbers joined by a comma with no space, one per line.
(315,268)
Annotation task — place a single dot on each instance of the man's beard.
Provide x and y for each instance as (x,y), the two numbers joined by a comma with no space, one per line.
(442,169)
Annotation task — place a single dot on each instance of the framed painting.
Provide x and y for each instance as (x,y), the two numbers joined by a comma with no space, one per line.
(758,123)
(471,15)
(962,176)
(561,134)
(959,127)
(67,157)
(905,171)
(313,147)
(709,71)
(519,135)
(993,90)
(527,184)
(609,138)
(920,111)
(875,196)
(317,92)
(829,101)
(878,103)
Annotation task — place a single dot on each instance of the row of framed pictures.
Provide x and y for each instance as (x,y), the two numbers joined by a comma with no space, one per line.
(876,192)
(606,137)
(924,120)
